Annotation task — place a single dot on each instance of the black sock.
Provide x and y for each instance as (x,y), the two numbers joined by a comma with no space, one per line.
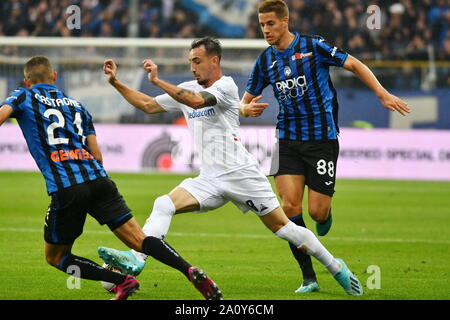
(163,252)
(89,270)
(303,259)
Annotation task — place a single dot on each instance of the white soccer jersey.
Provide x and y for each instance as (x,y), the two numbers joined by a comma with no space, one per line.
(215,129)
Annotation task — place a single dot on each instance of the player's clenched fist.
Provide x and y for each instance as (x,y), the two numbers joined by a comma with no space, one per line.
(152,70)
(110,69)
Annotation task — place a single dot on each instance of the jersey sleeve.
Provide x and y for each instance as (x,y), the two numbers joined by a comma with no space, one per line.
(225,91)
(88,123)
(257,81)
(168,103)
(330,55)
(15,100)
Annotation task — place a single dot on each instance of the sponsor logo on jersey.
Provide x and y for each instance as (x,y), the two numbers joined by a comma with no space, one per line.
(299,56)
(292,88)
(65,155)
(202,113)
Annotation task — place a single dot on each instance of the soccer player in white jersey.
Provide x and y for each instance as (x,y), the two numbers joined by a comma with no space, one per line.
(228,171)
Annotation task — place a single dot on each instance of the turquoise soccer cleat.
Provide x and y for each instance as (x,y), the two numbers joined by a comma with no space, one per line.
(348,280)
(123,260)
(308,287)
(323,227)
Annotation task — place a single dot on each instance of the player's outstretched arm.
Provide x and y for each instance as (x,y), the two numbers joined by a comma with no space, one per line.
(5,112)
(138,99)
(388,100)
(250,105)
(195,100)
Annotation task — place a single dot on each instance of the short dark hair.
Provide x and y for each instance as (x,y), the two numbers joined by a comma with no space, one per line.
(38,70)
(212,46)
(278,6)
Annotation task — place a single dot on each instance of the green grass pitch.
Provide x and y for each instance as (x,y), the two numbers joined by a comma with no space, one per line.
(400,227)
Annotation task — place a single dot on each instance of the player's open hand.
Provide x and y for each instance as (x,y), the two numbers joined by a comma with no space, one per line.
(152,70)
(255,108)
(110,69)
(394,103)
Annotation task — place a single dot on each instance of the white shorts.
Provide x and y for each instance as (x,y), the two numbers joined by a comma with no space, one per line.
(248,189)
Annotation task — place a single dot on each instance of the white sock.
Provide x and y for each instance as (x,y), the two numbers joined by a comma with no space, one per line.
(305,240)
(157,225)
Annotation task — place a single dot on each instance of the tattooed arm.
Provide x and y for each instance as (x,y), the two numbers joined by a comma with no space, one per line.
(195,100)
(187,97)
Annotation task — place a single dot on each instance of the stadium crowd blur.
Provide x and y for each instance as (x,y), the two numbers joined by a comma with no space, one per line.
(405,23)
(407,32)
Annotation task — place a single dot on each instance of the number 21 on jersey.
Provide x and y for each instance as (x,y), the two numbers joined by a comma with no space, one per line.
(60,123)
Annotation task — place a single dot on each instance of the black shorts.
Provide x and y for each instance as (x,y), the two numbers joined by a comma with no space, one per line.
(67,212)
(316,160)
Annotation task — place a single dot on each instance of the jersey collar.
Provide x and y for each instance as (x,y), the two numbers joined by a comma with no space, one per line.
(44,85)
(290,48)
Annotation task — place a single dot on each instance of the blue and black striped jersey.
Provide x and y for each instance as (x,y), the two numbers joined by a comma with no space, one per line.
(55,127)
(302,86)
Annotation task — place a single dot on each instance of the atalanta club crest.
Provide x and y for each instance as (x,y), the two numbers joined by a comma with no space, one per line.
(287,72)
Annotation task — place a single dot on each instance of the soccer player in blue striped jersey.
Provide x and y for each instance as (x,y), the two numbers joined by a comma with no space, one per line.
(297,68)
(65,160)
(61,138)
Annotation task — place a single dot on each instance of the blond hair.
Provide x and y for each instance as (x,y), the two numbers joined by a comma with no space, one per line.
(38,70)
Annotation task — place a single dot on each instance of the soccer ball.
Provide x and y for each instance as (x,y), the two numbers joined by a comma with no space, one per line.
(108,285)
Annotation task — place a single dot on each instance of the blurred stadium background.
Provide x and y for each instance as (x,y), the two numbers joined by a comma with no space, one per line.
(409,53)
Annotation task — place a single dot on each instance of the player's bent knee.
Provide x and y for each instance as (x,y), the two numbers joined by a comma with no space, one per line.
(292,209)
(275,220)
(53,260)
(319,215)
(319,206)
(55,253)
(164,205)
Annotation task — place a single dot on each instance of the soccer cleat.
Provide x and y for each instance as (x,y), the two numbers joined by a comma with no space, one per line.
(125,289)
(323,227)
(204,284)
(348,280)
(123,260)
(308,287)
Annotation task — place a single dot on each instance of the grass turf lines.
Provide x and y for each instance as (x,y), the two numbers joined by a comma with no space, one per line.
(399,228)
